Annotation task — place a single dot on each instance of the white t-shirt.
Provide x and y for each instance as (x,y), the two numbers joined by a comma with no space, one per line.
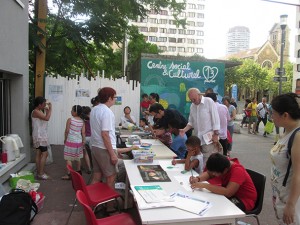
(199,169)
(102,119)
(204,117)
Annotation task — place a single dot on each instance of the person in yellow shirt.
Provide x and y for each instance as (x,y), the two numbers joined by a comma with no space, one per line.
(253,118)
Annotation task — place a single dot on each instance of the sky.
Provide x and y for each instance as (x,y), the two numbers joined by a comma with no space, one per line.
(259,16)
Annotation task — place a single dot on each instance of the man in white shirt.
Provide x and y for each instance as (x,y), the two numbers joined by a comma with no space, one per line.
(204,118)
(262,113)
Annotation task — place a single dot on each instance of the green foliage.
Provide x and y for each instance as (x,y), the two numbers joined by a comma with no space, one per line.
(252,78)
(80,33)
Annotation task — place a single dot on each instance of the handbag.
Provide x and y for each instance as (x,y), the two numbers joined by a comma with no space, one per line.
(269,127)
(248,113)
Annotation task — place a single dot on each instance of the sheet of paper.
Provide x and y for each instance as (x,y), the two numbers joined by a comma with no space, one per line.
(184,181)
(142,204)
(167,166)
(191,204)
(153,193)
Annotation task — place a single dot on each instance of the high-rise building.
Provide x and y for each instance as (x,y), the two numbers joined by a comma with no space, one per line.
(160,28)
(238,39)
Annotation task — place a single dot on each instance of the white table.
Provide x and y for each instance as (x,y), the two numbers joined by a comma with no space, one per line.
(222,210)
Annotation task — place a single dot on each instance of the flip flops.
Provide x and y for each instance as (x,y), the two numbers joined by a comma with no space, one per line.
(66,177)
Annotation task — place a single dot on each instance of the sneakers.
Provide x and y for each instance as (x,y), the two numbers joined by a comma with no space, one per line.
(43,177)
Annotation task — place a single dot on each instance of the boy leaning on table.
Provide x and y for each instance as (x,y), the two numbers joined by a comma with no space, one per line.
(194,158)
(230,179)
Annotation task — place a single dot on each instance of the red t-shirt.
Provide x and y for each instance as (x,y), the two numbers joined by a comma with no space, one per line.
(238,174)
(145,104)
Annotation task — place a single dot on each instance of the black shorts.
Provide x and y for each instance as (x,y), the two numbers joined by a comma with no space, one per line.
(42,148)
(238,203)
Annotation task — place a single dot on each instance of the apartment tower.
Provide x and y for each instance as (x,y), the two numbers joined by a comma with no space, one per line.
(238,39)
(160,28)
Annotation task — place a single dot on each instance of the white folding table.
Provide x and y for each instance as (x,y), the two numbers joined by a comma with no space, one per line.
(222,210)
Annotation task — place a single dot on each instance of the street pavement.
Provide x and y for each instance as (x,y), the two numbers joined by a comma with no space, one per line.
(251,150)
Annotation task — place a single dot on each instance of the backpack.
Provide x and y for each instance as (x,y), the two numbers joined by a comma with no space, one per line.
(289,156)
(17,208)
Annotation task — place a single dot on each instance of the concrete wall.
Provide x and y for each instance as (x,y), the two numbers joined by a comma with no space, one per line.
(14,66)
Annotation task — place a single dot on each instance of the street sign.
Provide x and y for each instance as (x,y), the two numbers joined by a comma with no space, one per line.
(277,79)
(278,71)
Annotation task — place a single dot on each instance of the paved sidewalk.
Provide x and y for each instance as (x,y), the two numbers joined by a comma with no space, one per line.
(252,151)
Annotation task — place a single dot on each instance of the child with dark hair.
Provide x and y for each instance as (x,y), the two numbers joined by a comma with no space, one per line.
(178,143)
(74,139)
(194,158)
(144,103)
(86,110)
(230,179)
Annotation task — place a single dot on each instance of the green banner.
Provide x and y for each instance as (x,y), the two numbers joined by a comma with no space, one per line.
(172,78)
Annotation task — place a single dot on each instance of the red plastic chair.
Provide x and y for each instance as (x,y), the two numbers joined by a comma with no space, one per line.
(122,218)
(96,194)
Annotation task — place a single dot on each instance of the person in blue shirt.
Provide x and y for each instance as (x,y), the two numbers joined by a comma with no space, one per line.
(178,143)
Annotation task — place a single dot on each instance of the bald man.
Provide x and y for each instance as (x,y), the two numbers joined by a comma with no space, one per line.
(204,118)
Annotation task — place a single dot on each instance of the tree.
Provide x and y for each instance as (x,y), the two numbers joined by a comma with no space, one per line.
(80,32)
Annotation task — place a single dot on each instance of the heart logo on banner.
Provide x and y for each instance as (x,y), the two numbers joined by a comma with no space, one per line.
(210,73)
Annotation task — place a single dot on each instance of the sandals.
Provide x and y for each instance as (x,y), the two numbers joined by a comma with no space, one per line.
(66,177)
(43,177)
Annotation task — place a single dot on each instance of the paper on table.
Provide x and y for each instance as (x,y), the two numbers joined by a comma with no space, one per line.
(167,166)
(142,204)
(190,204)
(153,193)
(184,181)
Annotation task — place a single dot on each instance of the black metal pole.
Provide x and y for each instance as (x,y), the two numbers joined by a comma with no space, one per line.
(281,56)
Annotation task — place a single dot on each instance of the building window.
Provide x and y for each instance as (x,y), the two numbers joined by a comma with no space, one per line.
(190,23)
(199,41)
(143,29)
(181,49)
(199,50)
(172,49)
(200,15)
(200,33)
(180,40)
(162,39)
(190,41)
(181,31)
(172,22)
(172,31)
(153,38)
(5,107)
(152,20)
(201,7)
(299,38)
(191,14)
(190,49)
(163,30)
(200,24)
(190,32)
(143,20)
(173,40)
(182,14)
(153,29)
(152,11)
(298,67)
(164,12)
(163,21)
(191,6)
(163,48)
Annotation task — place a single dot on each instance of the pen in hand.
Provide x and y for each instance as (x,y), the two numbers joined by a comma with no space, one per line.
(192,177)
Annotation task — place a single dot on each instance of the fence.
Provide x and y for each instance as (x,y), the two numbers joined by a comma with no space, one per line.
(64,93)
